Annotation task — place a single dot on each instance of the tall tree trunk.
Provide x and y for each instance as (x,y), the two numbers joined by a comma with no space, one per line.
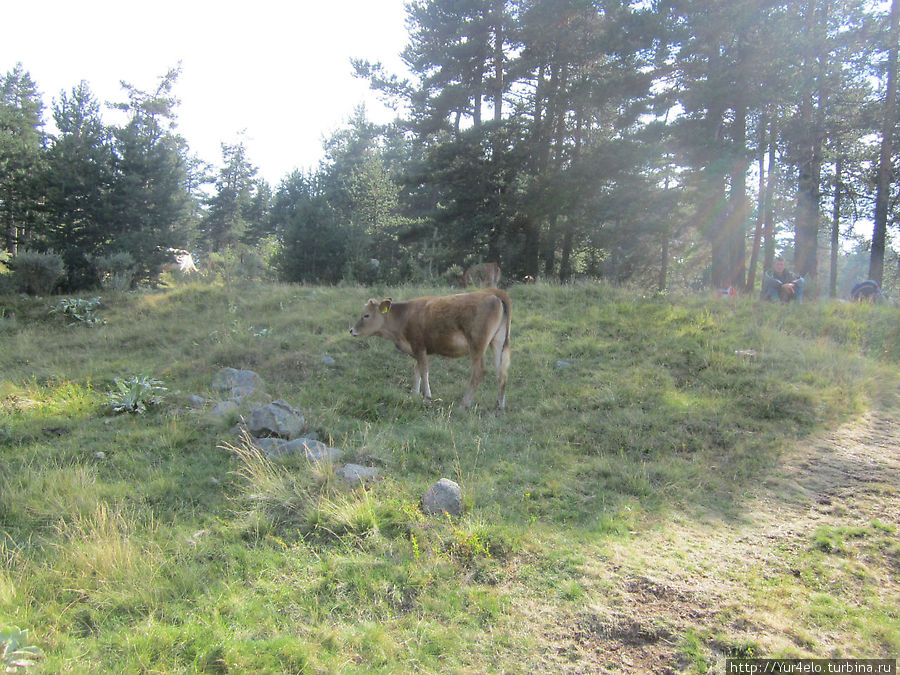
(9,228)
(760,205)
(571,221)
(477,100)
(498,59)
(544,243)
(663,263)
(772,179)
(549,254)
(664,252)
(835,224)
(806,233)
(559,112)
(714,206)
(738,211)
(532,246)
(882,190)
(539,102)
(565,261)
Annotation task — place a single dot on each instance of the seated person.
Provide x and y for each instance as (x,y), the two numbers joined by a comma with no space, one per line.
(866,291)
(782,284)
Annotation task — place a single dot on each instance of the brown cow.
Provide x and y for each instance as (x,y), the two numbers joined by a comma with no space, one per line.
(453,326)
(487,274)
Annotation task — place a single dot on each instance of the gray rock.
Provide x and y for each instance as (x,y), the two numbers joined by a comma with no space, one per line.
(225,409)
(328,360)
(444,496)
(357,473)
(196,401)
(314,450)
(317,451)
(277,418)
(236,384)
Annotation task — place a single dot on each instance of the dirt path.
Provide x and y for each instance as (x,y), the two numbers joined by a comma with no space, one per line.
(816,550)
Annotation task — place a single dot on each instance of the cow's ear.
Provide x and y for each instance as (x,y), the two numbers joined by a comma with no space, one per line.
(385,306)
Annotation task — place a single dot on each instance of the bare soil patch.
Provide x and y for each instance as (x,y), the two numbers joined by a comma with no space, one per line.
(819,537)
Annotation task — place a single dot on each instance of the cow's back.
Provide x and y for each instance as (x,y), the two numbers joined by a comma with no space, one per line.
(449,325)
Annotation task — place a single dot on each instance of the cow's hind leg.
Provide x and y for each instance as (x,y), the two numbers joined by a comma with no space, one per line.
(478,368)
(500,349)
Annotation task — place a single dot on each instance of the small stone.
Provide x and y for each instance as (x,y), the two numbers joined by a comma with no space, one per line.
(357,473)
(237,384)
(275,419)
(225,409)
(445,496)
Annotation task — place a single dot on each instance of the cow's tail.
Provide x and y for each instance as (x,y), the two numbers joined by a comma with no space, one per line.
(503,360)
(508,315)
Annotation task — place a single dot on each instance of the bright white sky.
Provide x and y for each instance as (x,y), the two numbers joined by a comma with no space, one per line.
(278,70)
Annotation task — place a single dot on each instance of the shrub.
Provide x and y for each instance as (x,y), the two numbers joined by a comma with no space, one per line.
(116,271)
(253,264)
(453,275)
(79,309)
(135,394)
(37,273)
(7,283)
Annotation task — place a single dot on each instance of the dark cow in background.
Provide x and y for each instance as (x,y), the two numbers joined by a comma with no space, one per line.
(482,274)
(453,326)
(866,291)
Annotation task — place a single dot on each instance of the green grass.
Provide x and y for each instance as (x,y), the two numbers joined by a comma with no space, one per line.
(158,542)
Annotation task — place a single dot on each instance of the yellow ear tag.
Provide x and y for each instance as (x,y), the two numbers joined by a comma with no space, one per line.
(385,310)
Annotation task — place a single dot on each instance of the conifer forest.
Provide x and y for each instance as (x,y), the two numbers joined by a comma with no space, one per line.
(658,143)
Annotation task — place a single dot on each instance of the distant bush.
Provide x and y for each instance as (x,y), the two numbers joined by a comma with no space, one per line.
(453,275)
(37,273)
(7,283)
(80,309)
(116,271)
(251,265)
(244,263)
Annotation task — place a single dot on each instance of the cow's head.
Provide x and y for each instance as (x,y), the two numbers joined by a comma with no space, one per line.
(372,318)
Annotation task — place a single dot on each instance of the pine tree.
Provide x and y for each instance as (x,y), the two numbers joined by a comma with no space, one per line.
(314,240)
(21,145)
(226,222)
(150,197)
(885,161)
(458,49)
(77,183)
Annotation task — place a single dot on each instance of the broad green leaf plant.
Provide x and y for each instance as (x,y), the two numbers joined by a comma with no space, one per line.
(80,309)
(134,394)
(16,654)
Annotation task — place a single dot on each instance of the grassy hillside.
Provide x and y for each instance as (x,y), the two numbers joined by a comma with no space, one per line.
(156,542)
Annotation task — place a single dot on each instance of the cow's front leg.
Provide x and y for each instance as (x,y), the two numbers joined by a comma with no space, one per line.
(417,379)
(420,382)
